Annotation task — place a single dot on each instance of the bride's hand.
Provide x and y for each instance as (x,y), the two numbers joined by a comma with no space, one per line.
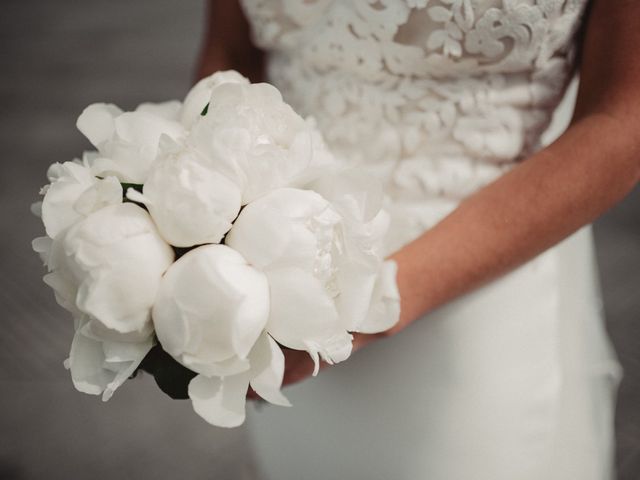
(298,365)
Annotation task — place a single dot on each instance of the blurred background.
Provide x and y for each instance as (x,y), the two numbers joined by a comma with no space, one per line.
(56,57)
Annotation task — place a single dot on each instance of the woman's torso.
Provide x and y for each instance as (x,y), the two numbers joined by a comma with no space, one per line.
(438,98)
(435,97)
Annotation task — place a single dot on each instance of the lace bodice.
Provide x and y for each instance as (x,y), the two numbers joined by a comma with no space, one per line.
(437,97)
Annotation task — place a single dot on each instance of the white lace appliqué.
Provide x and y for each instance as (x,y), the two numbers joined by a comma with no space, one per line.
(438,97)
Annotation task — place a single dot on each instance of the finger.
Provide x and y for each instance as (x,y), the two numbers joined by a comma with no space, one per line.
(252,395)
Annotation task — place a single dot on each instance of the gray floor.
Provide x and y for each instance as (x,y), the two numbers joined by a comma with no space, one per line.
(55,58)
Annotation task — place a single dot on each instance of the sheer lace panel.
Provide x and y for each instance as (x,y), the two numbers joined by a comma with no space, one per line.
(438,97)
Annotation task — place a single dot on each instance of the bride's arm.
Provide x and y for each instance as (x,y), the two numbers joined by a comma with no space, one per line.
(590,168)
(227,42)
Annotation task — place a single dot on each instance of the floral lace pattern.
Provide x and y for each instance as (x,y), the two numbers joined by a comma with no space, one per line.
(438,97)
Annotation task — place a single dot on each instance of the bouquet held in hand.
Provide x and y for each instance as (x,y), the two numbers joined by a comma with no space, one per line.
(202,237)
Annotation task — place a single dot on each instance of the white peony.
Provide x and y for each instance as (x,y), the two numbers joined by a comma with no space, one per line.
(127,142)
(74,193)
(210,314)
(256,139)
(369,293)
(191,203)
(384,307)
(108,267)
(321,286)
(301,264)
(105,269)
(210,310)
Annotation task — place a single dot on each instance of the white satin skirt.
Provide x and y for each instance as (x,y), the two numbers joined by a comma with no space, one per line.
(515,381)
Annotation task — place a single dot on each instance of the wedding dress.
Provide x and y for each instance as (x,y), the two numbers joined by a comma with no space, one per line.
(514,381)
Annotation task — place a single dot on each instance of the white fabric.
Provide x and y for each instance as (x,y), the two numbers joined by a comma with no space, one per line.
(439,98)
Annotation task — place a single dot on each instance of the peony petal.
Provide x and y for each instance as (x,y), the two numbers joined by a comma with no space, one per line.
(36,209)
(123,352)
(101,194)
(64,290)
(132,148)
(68,182)
(123,169)
(220,401)
(274,231)
(303,317)
(167,110)
(97,122)
(95,330)
(200,95)
(227,94)
(102,367)
(220,302)
(308,145)
(356,285)
(300,308)
(61,278)
(42,246)
(137,197)
(142,128)
(353,193)
(119,302)
(85,363)
(267,239)
(225,147)
(223,368)
(124,369)
(267,370)
(384,312)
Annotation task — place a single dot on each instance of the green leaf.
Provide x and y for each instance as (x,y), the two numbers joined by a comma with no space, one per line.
(180,251)
(172,377)
(135,186)
(205,110)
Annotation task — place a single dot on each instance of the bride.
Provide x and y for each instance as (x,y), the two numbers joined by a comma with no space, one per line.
(500,367)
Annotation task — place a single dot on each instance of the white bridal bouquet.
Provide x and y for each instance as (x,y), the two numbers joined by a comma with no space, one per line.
(202,237)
